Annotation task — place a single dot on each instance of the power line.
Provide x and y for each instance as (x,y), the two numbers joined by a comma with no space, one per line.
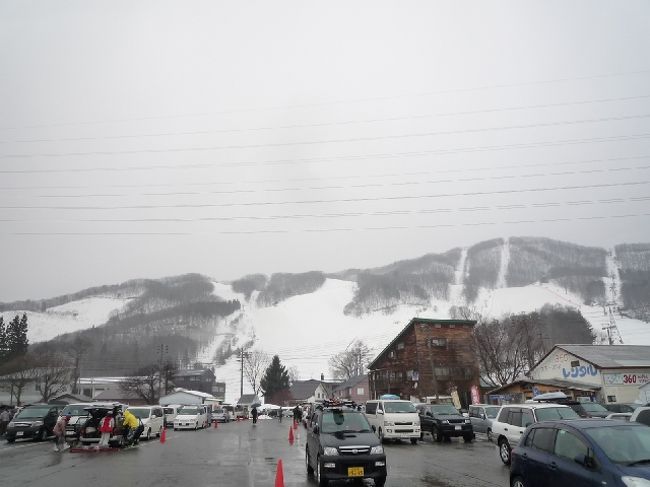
(337,200)
(328,124)
(342,101)
(328,230)
(372,138)
(358,186)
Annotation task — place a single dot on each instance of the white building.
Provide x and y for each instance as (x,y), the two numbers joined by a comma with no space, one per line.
(617,370)
(187,397)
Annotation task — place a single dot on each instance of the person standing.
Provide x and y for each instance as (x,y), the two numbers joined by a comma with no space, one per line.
(106,428)
(131,425)
(59,432)
(5,417)
(254,414)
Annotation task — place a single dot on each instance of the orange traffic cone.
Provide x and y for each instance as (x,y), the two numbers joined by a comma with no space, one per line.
(163,435)
(295,424)
(291,437)
(279,475)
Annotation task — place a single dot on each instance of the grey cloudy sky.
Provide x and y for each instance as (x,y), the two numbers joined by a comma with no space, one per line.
(142,139)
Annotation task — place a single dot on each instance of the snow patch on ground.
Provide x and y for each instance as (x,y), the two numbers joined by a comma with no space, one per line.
(69,317)
(224,291)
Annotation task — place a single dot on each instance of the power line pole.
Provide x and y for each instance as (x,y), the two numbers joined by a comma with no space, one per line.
(162,350)
(242,356)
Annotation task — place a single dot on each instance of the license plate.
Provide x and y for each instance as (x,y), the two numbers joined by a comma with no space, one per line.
(19,433)
(355,471)
(458,428)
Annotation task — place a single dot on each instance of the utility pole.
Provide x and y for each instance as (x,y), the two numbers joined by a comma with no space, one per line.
(433,371)
(161,350)
(242,356)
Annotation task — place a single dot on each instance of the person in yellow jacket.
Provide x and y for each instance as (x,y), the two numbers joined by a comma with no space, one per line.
(132,427)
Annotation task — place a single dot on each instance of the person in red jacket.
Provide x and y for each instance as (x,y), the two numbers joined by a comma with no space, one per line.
(106,428)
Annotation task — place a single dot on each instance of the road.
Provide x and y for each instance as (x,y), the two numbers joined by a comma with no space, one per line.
(239,455)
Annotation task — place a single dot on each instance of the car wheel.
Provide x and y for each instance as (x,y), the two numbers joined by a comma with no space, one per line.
(517,482)
(414,441)
(468,438)
(380,481)
(42,435)
(322,482)
(504,451)
(148,435)
(159,432)
(437,434)
(489,434)
(310,469)
(11,440)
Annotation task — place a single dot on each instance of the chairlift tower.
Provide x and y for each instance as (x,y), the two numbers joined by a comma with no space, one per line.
(613,334)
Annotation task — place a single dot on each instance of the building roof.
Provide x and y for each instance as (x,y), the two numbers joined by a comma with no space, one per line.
(204,395)
(609,356)
(248,399)
(192,372)
(70,398)
(561,384)
(412,323)
(117,394)
(351,382)
(304,389)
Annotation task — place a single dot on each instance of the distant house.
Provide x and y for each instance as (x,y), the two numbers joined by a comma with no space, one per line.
(247,400)
(68,398)
(116,394)
(195,379)
(355,389)
(428,358)
(187,397)
(310,391)
(219,391)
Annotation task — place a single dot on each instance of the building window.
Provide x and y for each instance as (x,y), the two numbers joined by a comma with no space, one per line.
(392,354)
(442,371)
(400,345)
(438,342)
(452,325)
(437,325)
(360,391)
(611,398)
(575,363)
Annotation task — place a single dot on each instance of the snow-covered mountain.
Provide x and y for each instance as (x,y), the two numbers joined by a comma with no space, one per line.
(305,318)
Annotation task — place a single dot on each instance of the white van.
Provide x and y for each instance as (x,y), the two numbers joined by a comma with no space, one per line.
(152,418)
(191,417)
(394,419)
(170,413)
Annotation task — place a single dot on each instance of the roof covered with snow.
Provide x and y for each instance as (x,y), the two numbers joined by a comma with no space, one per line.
(611,356)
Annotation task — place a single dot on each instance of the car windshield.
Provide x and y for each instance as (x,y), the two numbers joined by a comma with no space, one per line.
(29,413)
(546,414)
(141,413)
(444,409)
(593,407)
(189,410)
(75,410)
(218,411)
(623,443)
(339,421)
(492,412)
(399,407)
(168,410)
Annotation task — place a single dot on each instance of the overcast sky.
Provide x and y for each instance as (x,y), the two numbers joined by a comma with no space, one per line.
(143,139)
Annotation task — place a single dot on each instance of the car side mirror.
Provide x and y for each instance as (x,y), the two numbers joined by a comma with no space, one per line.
(586,461)
(379,411)
(483,416)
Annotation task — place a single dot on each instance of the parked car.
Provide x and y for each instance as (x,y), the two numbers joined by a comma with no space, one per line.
(443,421)
(585,452)
(622,407)
(78,414)
(190,417)
(341,445)
(513,419)
(394,419)
(481,416)
(36,422)
(589,409)
(152,417)
(641,415)
(221,415)
(90,434)
(620,416)
(170,413)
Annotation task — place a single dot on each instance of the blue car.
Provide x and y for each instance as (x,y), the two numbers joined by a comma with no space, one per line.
(582,453)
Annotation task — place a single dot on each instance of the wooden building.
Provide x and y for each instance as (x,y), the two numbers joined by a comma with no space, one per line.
(428,358)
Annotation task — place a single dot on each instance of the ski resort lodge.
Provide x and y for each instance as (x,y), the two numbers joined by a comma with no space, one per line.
(602,373)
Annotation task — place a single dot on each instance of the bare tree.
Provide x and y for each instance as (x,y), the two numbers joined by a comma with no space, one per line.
(17,374)
(52,376)
(144,383)
(500,355)
(294,374)
(465,313)
(78,348)
(255,364)
(350,362)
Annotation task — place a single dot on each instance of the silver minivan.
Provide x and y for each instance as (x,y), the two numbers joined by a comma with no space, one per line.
(481,416)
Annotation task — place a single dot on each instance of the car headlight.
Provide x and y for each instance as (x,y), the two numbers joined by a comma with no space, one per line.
(445,421)
(37,423)
(635,482)
(389,423)
(11,424)
(330,451)
(377,450)
(467,421)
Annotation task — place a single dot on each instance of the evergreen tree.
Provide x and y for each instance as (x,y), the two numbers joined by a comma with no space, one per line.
(3,341)
(16,337)
(275,381)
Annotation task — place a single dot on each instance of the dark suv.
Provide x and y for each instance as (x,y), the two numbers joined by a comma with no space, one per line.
(341,445)
(444,421)
(36,422)
(589,409)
